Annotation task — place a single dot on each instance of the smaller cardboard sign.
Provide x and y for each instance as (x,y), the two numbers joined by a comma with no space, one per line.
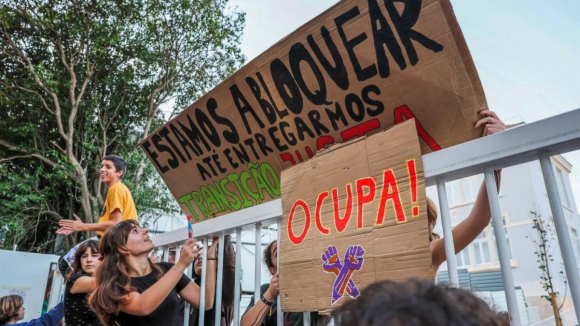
(353,215)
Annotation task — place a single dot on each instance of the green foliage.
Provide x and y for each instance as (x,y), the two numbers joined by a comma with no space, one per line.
(79,80)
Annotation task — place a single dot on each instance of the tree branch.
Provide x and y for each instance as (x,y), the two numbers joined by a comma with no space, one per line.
(46,160)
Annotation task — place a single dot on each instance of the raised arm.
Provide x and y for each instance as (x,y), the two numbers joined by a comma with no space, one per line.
(143,304)
(191,293)
(467,230)
(257,309)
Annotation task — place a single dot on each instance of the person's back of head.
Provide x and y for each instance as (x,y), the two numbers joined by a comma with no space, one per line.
(415,302)
(10,308)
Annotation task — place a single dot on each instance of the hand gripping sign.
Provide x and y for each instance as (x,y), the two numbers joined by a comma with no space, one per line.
(352,215)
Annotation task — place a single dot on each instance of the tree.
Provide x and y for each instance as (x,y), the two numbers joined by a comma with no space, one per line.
(81,79)
(544,253)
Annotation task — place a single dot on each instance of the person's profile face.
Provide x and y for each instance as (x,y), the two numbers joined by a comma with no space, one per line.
(138,241)
(109,173)
(274,257)
(21,313)
(90,261)
(198,261)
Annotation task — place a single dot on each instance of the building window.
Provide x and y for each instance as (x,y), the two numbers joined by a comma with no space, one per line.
(453,195)
(470,188)
(575,243)
(507,237)
(463,259)
(483,250)
(560,177)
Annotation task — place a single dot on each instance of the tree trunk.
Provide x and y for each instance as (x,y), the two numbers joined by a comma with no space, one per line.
(556,310)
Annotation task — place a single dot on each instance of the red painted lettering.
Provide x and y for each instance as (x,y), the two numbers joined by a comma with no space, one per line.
(293,238)
(390,193)
(319,201)
(362,199)
(342,222)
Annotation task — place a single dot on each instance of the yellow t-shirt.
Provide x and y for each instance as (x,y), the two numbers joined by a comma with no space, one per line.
(118,197)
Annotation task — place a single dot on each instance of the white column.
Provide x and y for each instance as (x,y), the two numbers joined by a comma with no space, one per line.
(219,281)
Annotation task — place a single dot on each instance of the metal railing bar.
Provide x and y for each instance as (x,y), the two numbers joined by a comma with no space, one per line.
(219,281)
(279,314)
(257,262)
(502,249)
(561,230)
(201,319)
(237,289)
(447,235)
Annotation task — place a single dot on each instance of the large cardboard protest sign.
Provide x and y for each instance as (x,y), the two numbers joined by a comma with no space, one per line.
(353,215)
(358,68)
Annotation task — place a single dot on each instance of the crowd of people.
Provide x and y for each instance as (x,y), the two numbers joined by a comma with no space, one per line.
(112,279)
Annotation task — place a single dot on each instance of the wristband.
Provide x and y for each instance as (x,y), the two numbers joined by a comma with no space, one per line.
(266,301)
(177,269)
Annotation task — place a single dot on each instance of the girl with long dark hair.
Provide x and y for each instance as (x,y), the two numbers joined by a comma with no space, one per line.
(134,291)
(79,284)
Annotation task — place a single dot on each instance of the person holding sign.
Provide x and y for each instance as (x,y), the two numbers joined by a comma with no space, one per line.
(466,231)
(264,311)
(119,206)
(134,291)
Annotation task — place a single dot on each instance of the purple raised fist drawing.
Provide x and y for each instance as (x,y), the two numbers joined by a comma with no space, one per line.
(353,261)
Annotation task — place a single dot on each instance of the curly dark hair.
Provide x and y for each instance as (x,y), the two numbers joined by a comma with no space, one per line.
(416,302)
(266,256)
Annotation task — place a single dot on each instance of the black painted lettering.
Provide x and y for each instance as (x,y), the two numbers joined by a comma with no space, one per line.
(337,72)
(379,106)
(154,156)
(319,128)
(227,152)
(383,35)
(244,107)
(357,114)
(261,140)
(207,161)
(272,132)
(250,142)
(194,135)
(218,164)
(336,115)
(404,23)
(286,86)
(164,132)
(183,141)
(202,171)
(231,134)
(173,161)
(207,127)
(301,128)
(361,73)
(289,136)
(241,154)
(298,54)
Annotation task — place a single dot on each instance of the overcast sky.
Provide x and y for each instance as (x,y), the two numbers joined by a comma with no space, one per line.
(527,53)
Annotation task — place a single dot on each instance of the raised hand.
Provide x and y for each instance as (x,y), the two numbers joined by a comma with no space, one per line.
(491,121)
(331,261)
(353,258)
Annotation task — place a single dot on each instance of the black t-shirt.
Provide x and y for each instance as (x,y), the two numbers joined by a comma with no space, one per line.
(76,306)
(168,313)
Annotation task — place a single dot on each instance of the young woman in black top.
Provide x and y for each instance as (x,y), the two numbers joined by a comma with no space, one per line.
(79,284)
(133,291)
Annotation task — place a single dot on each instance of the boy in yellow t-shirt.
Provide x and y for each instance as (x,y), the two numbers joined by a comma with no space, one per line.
(118,205)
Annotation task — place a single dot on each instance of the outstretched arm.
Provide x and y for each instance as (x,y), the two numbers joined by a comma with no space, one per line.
(258,309)
(466,231)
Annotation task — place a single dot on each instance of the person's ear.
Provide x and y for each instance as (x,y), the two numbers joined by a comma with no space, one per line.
(272,270)
(123,250)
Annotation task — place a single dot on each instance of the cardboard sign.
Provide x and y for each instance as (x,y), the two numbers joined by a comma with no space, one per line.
(353,215)
(360,67)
